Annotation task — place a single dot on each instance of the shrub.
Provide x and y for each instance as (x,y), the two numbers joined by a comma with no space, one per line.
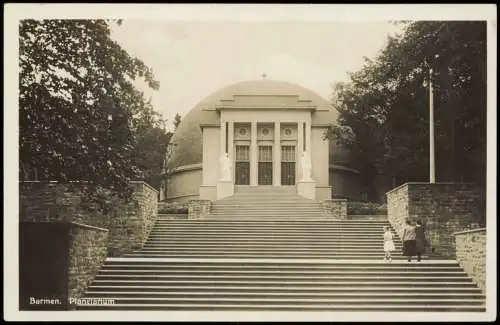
(366,208)
(172,208)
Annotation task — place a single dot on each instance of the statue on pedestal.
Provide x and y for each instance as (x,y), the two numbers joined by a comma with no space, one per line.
(225,167)
(305,161)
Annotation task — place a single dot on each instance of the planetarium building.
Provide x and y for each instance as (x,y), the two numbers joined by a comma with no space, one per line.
(259,133)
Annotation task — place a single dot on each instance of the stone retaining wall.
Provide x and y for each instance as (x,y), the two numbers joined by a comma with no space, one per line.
(85,235)
(335,208)
(199,209)
(58,260)
(445,208)
(471,254)
(129,221)
(86,254)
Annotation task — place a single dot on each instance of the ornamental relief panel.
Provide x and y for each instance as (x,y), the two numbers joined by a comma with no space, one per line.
(265,132)
(288,132)
(242,132)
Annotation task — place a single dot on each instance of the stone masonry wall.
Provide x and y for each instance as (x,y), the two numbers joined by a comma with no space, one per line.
(335,208)
(471,254)
(147,197)
(92,234)
(199,209)
(397,208)
(86,254)
(51,202)
(129,222)
(445,208)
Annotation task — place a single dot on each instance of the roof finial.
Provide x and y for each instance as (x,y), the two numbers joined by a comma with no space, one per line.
(264,75)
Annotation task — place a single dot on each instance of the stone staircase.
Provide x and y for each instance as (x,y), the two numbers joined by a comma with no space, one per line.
(273,250)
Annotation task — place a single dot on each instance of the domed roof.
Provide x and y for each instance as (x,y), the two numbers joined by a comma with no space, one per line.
(188,138)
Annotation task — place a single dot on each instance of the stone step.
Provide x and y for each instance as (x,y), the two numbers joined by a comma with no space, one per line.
(419,290)
(359,272)
(260,254)
(281,220)
(189,243)
(319,222)
(372,233)
(342,282)
(193,293)
(272,226)
(271,200)
(241,224)
(276,229)
(330,251)
(291,307)
(297,213)
(283,277)
(172,300)
(385,267)
(259,205)
(253,246)
(252,236)
(277,226)
(265,216)
(274,211)
(278,248)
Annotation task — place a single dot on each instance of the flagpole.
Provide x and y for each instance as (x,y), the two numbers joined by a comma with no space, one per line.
(432,162)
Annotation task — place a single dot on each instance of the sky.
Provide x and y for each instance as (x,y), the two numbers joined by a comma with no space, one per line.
(192,59)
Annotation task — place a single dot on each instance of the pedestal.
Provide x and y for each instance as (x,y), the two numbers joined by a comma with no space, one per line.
(224,189)
(307,189)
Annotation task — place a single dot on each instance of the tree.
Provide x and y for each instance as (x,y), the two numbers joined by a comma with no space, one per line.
(151,146)
(177,121)
(78,105)
(386,104)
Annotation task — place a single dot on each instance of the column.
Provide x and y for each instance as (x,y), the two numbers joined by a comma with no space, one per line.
(300,149)
(253,155)
(308,137)
(222,138)
(277,155)
(230,143)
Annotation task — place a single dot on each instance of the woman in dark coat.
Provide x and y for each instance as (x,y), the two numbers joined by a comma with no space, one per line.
(420,240)
(409,241)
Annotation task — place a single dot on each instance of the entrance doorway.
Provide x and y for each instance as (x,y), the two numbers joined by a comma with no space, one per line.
(242,165)
(288,165)
(265,176)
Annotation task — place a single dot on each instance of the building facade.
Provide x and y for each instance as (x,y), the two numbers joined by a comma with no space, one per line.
(261,133)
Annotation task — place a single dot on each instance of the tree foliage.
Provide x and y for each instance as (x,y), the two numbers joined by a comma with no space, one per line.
(80,115)
(386,105)
(151,146)
(177,121)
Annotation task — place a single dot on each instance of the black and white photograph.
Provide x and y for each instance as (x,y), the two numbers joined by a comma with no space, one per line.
(243,162)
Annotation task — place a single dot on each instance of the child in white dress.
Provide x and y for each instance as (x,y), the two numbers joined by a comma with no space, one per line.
(388,244)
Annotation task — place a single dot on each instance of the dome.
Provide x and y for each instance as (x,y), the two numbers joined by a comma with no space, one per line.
(188,138)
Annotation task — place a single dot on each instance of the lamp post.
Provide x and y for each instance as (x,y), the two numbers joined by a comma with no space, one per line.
(432,163)
(432,158)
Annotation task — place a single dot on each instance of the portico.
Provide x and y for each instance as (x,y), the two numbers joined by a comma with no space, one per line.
(265,152)
(266,143)
(264,127)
